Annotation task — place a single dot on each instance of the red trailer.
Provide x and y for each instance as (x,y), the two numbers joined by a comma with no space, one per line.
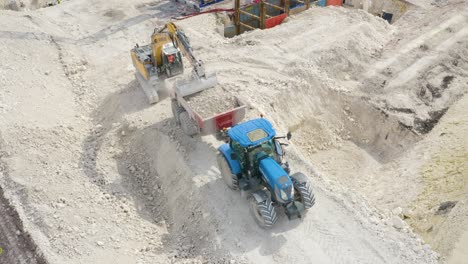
(193,123)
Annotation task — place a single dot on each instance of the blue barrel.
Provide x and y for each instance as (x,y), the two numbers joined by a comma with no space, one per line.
(322,2)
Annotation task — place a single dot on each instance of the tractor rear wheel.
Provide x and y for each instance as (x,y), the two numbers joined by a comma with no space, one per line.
(264,213)
(189,126)
(304,193)
(176,110)
(229,178)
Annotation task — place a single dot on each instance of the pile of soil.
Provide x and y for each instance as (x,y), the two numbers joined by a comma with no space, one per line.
(212,101)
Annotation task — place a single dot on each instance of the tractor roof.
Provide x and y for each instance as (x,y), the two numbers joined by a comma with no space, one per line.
(252,132)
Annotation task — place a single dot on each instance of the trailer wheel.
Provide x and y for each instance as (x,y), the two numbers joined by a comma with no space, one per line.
(189,126)
(229,178)
(176,110)
(304,193)
(264,213)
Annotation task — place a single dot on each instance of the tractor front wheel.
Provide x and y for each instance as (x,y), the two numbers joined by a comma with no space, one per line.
(304,193)
(264,213)
(229,178)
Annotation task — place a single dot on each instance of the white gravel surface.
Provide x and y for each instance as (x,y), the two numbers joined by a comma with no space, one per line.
(98,176)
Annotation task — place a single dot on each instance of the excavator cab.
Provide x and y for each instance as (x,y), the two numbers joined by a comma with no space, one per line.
(172,61)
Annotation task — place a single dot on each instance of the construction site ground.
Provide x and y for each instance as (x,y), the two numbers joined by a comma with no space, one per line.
(91,173)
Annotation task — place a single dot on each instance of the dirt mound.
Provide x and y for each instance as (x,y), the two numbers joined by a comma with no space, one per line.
(168,193)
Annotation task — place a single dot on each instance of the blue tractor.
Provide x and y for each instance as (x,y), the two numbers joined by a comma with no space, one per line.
(252,161)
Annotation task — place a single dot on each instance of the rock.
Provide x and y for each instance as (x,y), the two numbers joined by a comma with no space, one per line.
(397,222)
(397,211)
(100,243)
(373,220)
(417,248)
(445,207)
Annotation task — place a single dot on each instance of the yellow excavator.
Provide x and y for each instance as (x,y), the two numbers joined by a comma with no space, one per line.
(162,59)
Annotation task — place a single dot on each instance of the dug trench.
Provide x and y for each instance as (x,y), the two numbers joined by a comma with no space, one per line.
(342,134)
(367,148)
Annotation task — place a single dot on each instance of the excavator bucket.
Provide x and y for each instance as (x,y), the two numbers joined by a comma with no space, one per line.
(194,85)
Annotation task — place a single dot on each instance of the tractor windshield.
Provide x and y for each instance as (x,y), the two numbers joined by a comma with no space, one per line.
(268,147)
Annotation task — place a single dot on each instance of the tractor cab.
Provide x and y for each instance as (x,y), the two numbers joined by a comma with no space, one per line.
(253,141)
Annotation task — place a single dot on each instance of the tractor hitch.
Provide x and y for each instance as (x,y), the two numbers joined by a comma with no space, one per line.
(294,210)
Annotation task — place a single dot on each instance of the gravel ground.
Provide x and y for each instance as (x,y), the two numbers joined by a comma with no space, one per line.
(104,178)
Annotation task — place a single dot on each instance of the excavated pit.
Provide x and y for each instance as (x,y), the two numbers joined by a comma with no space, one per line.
(353,120)
(342,135)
